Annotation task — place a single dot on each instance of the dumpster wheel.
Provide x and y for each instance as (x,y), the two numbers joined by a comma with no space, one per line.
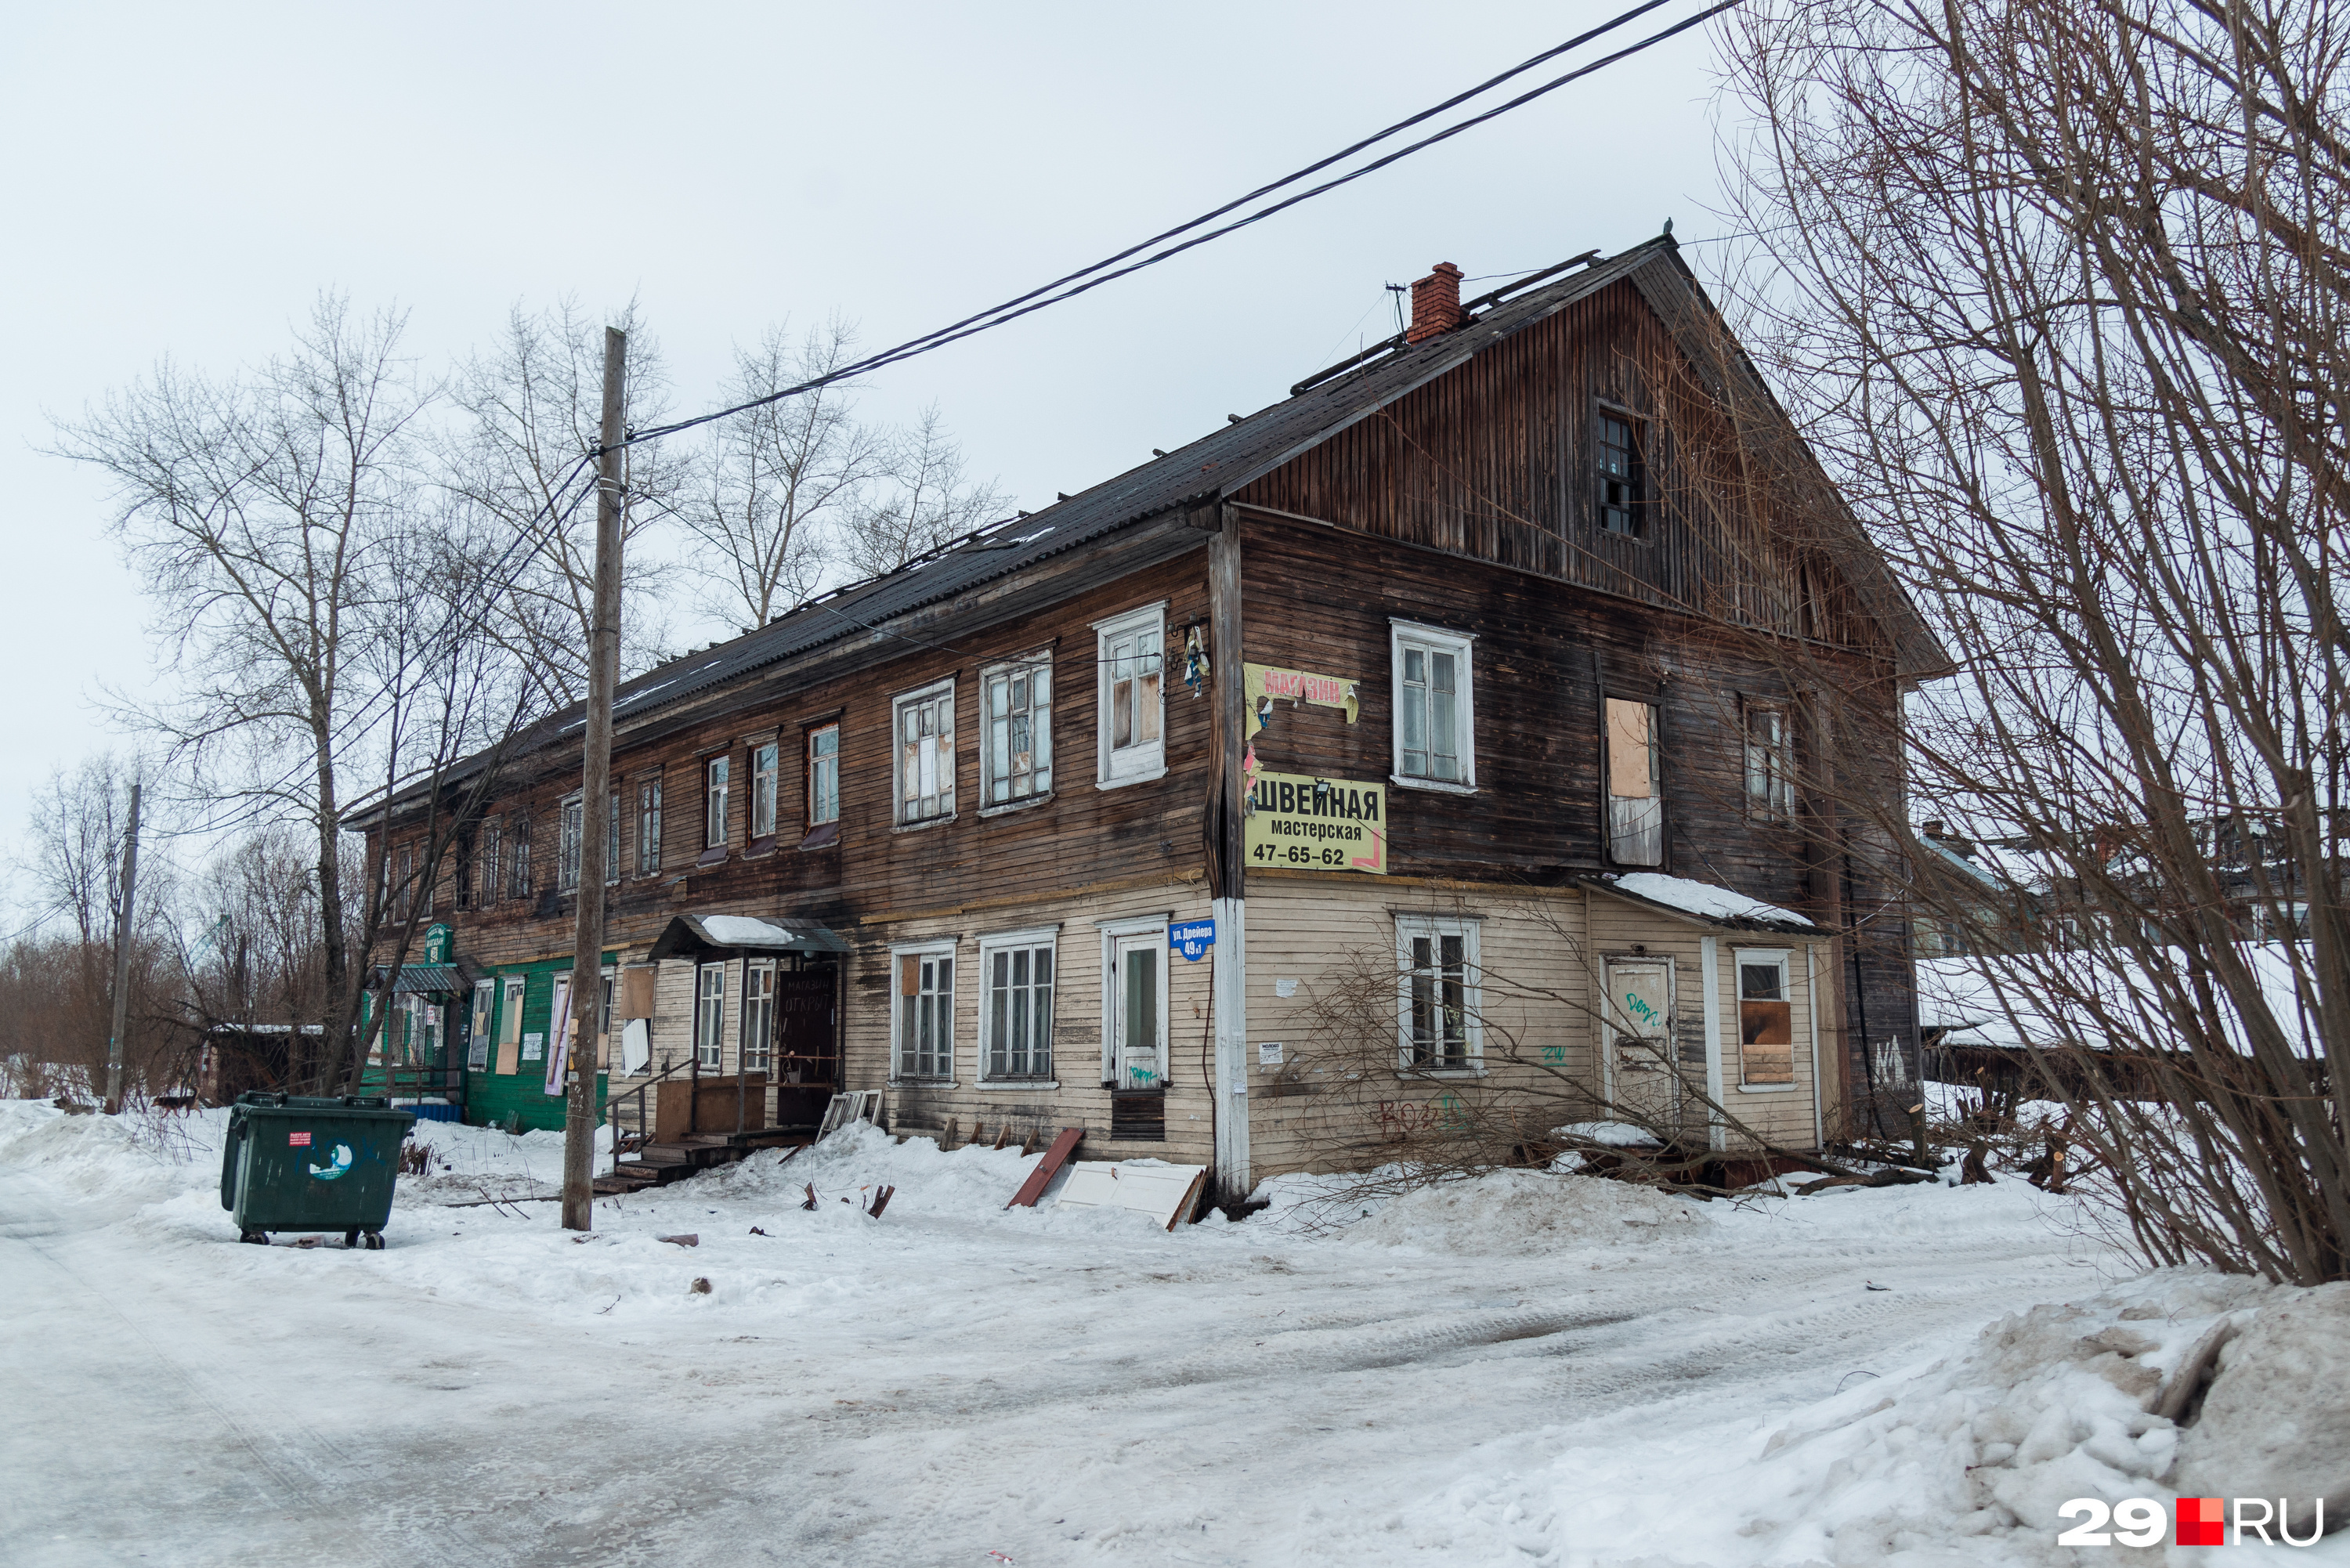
(350,1238)
(258,1238)
(375,1240)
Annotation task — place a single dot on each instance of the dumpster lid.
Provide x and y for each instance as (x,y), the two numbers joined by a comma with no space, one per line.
(689,935)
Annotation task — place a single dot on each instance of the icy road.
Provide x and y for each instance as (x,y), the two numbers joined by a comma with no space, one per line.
(950,1384)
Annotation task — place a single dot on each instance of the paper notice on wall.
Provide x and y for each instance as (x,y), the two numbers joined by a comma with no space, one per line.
(534,1046)
(1268,1053)
(560,1057)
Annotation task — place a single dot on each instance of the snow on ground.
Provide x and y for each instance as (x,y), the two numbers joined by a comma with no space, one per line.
(1516,1368)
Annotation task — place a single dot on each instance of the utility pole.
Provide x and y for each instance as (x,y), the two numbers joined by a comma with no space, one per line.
(588,1019)
(122,934)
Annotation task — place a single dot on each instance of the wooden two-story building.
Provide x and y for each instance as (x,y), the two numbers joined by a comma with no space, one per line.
(1084,820)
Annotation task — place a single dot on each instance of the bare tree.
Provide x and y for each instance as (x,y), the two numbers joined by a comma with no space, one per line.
(778,482)
(260,510)
(531,406)
(2059,292)
(925,499)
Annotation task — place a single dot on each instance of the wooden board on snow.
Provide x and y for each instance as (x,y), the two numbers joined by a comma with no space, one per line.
(1046,1169)
(1165,1192)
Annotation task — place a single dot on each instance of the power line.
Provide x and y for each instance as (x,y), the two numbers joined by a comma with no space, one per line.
(1070,287)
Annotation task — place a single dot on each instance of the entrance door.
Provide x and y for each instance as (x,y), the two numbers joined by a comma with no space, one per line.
(1138,1011)
(1637,1026)
(808,1044)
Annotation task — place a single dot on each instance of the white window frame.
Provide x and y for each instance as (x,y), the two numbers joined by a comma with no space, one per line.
(766,788)
(1139,762)
(709,1015)
(1112,933)
(717,799)
(945,948)
(1048,939)
(1039,664)
(1411,634)
(614,841)
(1435,927)
(819,763)
(1785,959)
(765,1059)
(937,691)
(571,812)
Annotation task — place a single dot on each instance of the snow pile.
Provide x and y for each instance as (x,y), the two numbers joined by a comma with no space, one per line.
(1967,1459)
(140,1158)
(745,931)
(1528,1210)
(1703,899)
(1615,1135)
(2276,1422)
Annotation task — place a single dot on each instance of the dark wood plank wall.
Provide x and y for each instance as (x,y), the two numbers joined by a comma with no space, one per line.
(1082,837)
(1494,462)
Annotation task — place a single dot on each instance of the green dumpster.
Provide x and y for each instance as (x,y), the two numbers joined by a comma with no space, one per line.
(297,1162)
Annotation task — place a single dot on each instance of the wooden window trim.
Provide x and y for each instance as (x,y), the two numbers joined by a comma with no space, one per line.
(1642,502)
(1045,936)
(948,948)
(1461,645)
(1143,762)
(1468,928)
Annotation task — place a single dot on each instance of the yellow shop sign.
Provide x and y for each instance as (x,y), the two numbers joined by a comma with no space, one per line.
(1329,825)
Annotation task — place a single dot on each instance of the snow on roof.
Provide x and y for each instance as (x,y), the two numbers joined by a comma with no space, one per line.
(745,931)
(2006,1002)
(1704,899)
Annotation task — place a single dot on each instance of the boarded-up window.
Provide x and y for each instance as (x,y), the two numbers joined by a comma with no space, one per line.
(1766,1028)
(1636,806)
(637,992)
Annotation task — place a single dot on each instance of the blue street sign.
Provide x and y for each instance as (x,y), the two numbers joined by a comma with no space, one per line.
(1192,938)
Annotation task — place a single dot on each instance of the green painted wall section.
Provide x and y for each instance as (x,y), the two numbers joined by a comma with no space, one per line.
(490,1097)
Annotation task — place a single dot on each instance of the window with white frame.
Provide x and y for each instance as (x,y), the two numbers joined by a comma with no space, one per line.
(1436,961)
(717,780)
(924,722)
(1017,699)
(824,775)
(922,1000)
(649,826)
(758,1014)
(566,864)
(1634,769)
(1435,710)
(1015,1006)
(612,838)
(1770,763)
(1130,651)
(709,1014)
(1135,1018)
(1766,1019)
(764,765)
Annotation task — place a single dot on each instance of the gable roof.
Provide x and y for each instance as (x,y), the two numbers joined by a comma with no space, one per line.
(1208,470)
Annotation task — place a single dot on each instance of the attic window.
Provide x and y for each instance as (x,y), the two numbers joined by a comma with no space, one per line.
(1623,478)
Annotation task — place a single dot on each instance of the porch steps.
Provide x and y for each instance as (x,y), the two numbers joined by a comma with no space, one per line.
(660,1164)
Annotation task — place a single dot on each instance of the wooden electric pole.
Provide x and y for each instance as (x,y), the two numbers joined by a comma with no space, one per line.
(123,931)
(588,1020)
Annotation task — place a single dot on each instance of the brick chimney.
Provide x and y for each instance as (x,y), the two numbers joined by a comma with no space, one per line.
(1435,304)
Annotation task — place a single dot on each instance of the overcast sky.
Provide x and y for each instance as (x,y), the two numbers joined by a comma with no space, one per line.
(184,181)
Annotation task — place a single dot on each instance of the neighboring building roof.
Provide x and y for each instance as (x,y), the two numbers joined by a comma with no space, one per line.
(1213,467)
(1706,903)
